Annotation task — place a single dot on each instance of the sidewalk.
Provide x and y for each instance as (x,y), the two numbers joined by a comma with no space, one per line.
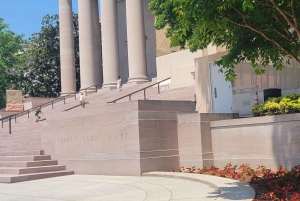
(227,189)
(151,187)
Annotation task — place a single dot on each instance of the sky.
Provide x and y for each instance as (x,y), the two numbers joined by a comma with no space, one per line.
(25,16)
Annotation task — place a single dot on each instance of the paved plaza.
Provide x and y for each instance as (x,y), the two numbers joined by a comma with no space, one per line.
(106,188)
(111,188)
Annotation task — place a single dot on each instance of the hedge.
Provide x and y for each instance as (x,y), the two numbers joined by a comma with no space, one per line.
(276,106)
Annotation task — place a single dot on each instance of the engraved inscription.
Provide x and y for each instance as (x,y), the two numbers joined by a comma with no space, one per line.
(89,138)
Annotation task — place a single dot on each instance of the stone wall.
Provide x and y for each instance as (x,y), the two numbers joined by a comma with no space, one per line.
(205,140)
(120,139)
(269,141)
(194,138)
(179,66)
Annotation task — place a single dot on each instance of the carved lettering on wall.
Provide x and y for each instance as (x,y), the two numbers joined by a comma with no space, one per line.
(89,138)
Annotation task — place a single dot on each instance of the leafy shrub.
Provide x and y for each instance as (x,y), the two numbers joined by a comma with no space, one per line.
(280,185)
(275,106)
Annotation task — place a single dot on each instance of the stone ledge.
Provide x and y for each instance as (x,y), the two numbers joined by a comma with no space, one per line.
(255,120)
(228,189)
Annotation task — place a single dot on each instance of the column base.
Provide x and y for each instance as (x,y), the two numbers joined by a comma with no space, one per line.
(138,80)
(89,90)
(109,86)
(67,93)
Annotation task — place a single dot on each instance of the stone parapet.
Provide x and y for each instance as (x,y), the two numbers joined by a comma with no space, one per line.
(194,138)
(121,139)
(269,141)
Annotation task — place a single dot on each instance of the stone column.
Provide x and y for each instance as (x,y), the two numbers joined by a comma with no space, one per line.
(110,51)
(86,44)
(97,42)
(136,41)
(67,53)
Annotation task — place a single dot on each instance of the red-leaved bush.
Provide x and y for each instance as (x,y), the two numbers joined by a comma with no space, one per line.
(281,185)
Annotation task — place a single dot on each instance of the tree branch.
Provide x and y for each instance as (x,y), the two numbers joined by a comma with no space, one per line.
(243,16)
(284,36)
(289,35)
(280,47)
(264,4)
(271,6)
(286,17)
(293,13)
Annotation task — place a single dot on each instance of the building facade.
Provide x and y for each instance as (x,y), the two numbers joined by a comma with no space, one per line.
(125,45)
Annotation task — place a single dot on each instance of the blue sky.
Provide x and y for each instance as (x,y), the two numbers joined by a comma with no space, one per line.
(25,16)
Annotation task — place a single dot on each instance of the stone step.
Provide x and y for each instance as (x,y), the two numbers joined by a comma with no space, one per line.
(33,176)
(22,153)
(123,108)
(27,163)
(25,158)
(19,135)
(24,148)
(11,142)
(13,138)
(22,144)
(19,131)
(30,170)
(28,125)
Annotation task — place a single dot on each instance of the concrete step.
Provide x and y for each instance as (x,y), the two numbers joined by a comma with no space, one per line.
(27,163)
(5,142)
(22,153)
(24,148)
(24,135)
(22,144)
(30,170)
(33,176)
(25,158)
(19,131)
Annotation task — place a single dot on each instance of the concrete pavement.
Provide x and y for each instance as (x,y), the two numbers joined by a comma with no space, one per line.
(227,189)
(118,188)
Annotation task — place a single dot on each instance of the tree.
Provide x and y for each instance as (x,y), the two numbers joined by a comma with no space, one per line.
(260,31)
(40,76)
(10,60)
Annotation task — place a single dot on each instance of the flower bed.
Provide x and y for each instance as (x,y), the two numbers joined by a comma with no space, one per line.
(281,185)
(275,106)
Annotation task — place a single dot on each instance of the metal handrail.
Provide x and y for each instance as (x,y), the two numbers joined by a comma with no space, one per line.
(42,105)
(143,89)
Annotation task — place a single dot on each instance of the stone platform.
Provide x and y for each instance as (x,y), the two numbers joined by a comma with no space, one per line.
(127,138)
(116,188)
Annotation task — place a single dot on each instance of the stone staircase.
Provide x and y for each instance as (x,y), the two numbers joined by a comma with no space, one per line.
(17,166)
(21,155)
(182,94)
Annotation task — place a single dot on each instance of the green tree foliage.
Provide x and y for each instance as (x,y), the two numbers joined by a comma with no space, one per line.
(40,75)
(260,31)
(10,60)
